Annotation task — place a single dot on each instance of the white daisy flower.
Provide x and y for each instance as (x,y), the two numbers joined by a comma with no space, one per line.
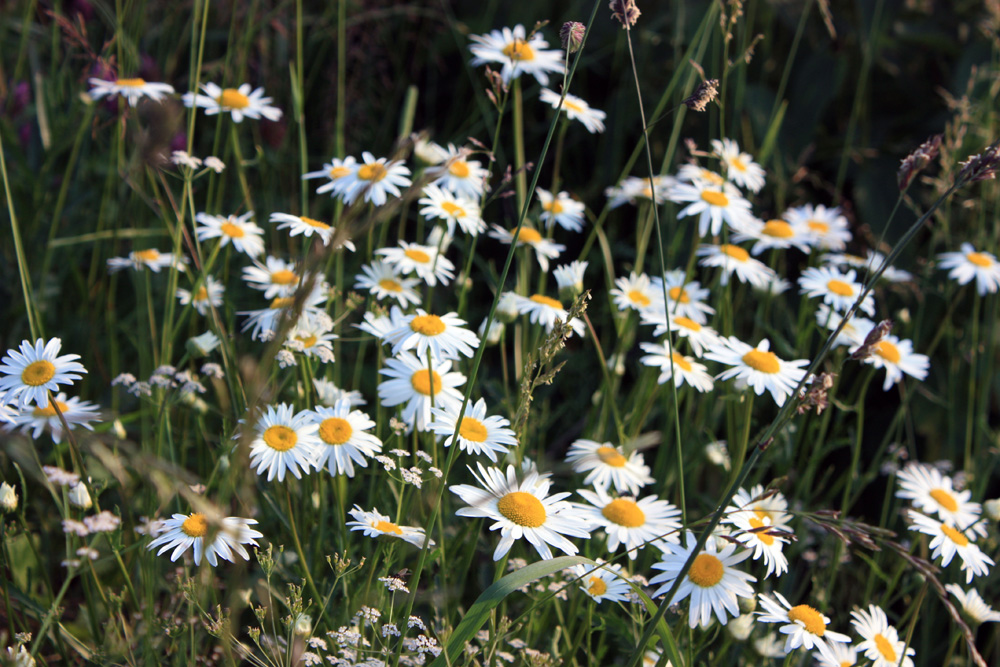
(328,394)
(375,179)
(839,290)
(634,187)
(971,263)
(713,205)
(773,235)
(685,298)
(854,332)
(299,224)
(949,541)
(734,259)
(561,209)
(569,278)
(635,292)
(264,323)
(874,261)
(712,582)
(545,310)
(932,492)
(608,466)
(443,336)
(209,294)
(803,625)
(771,506)
(700,336)
(184,531)
(522,509)
(826,226)
(459,174)
(516,54)
(740,167)
(286,441)
(383,281)
(313,337)
(132,90)
(755,533)
(276,277)
(412,381)
(342,437)
(240,103)
(544,248)
(576,108)
(453,209)
(338,172)
(245,236)
(881,642)
(428,151)
(684,369)
(375,524)
(478,434)
(39,418)
(151,259)
(696,174)
(631,522)
(424,260)
(897,357)
(974,607)
(32,371)
(381,325)
(836,655)
(758,367)
(608,582)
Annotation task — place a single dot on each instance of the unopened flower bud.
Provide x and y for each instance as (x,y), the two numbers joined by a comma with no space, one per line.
(507,308)
(202,346)
(303,625)
(8,498)
(571,34)
(494,334)
(80,497)
(992,508)
(741,626)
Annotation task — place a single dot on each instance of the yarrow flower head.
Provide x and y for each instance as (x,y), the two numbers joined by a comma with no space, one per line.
(185,531)
(32,371)
(517,54)
(240,103)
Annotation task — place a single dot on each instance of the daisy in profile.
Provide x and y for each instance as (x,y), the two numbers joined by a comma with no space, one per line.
(755,532)
(337,173)
(576,109)
(934,493)
(802,624)
(285,441)
(384,282)
(836,654)
(949,541)
(854,331)
(516,54)
(734,259)
(275,277)
(375,179)
(478,433)
(713,206)
(32,371)
(973,605)
(684,369)
(454,209)
(773,235)
(629,521)
(569,279)
(375,524)
(607,582)
(207,295)
(561,209)
(544,248)
(545,310)
(897,357)
(328,393)
(424,260)
(635,292)
(881,644)
(443,336)
(608,465)
(299,224)
(838,290)
(712,582)
(39,418)
(459,174)
(411,380)
(635,188)
(826,226)
(740,167)
(132,90)
(245,236)
(685,298)
(700,336)
(771,506)
(342,437)
(970,263)
(758,367)
(240,103)
(186,531)
(694,173)
(522,509)
(151,259)
(264,323)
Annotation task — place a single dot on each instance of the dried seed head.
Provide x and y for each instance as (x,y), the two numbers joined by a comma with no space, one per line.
(880,331)
(705,93)
(981,167)
(571,34)
(918,160)
(816,394)
(625,11)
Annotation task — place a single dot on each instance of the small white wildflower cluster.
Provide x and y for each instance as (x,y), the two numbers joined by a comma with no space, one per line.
(353,647)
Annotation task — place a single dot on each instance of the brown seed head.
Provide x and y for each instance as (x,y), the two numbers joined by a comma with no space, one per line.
(981,167)
(918,160)
(705,93)
(571,34)
(880,331)
(625,11)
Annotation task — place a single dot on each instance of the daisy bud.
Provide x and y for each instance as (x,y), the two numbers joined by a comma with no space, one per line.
(571,34)
(303,625)
(119,429)
(507,308)
(8,498)
(703,94)
(747,605)
(741,626)
(625,11)
(201,346)
(991,507)
(80,497)
(496,330)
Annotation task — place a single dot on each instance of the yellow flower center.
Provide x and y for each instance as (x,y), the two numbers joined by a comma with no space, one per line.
(761,535)
(337,172)
(373,172)
(818,227)
(418,255)
(954,535)
(335,431)
(611,456)
(282,302)
(150,255)
(573,106)
(233,99)
(390,285)
(738,164)
(387,527)
(762,360)
(979,259)
(714,198)
(681,361)
(201,294)
(280,438)
(284,277)
(307,341)
(131,83)
(888,351)
(528,235)
(712,177)
(840,288)
(735,252)
(454,210)
(472,429)
(459,169)
(763,514)
(195,525)
(232,231)
(597,586)
(809,617)
(523,509)
(678,294)
(885,648)
(49,411)
(943,498)
(687,323)
(518,50)
(624,512)
(778,229)
(545,301)
(425,383)
(706,571)
(428,325)
(638,298)
(38,373)
(314,223)
(553,207)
